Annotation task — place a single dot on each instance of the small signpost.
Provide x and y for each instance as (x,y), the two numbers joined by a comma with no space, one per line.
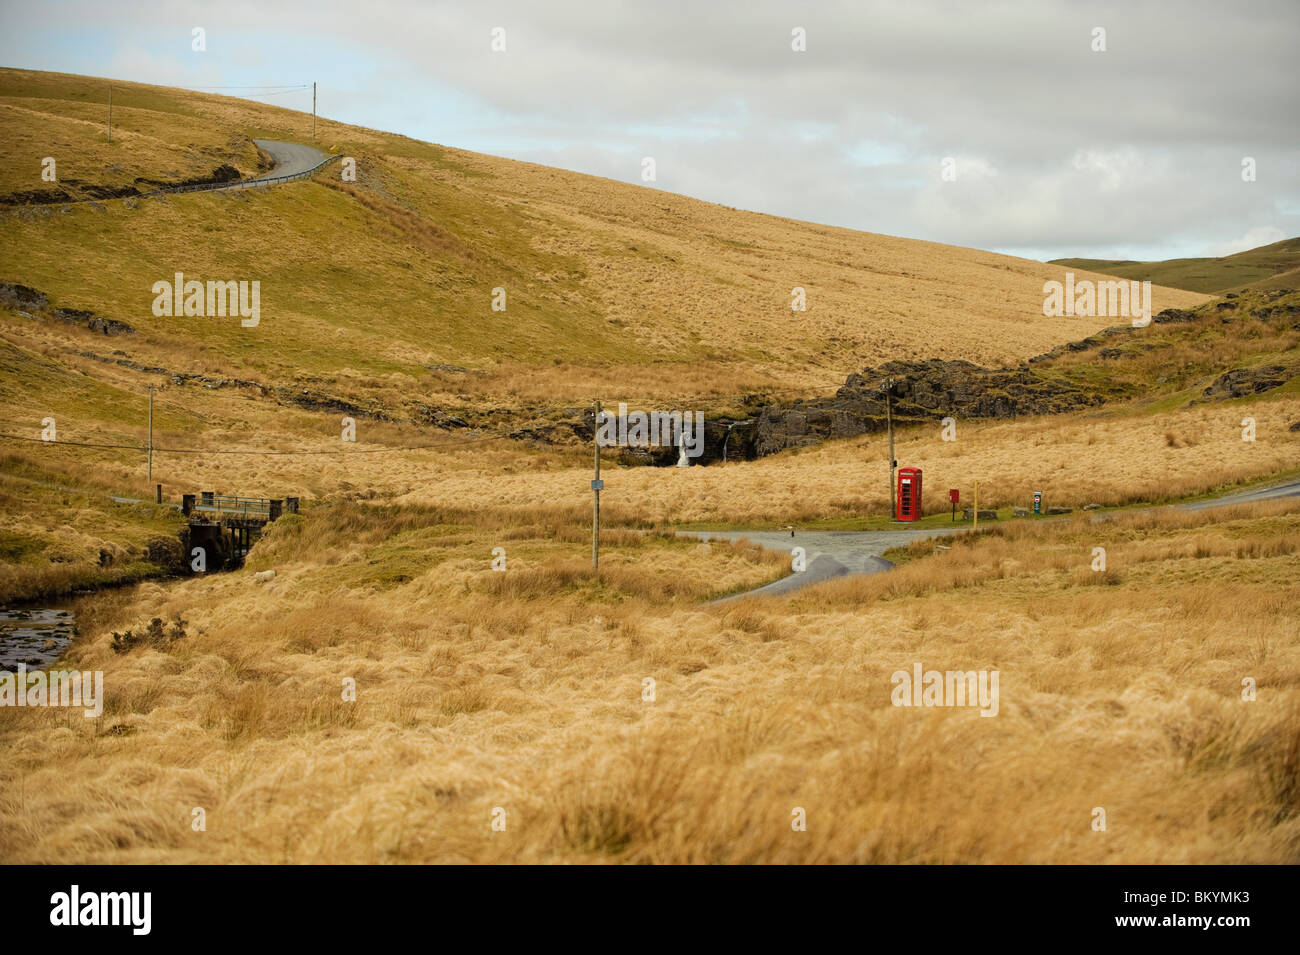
(1038,502)
(954,496)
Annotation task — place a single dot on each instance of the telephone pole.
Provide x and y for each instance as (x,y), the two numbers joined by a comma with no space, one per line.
(889,421)
(151,432)
(313,109)
(110,114)
(596,485)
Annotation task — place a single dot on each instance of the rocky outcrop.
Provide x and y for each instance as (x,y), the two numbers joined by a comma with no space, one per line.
(90,191)
(922,391)
(33,302)
(1248,381)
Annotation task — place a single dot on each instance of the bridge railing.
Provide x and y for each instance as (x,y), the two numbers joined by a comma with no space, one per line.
(229,506)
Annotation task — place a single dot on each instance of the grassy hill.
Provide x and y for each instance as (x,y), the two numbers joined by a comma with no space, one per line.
(609,285)
(1268,267)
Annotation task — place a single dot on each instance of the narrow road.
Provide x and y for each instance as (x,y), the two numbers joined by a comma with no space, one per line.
(290,158)
(829,553)
(838,553)
(1290,489)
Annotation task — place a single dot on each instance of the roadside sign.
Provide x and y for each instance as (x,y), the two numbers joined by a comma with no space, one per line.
(1038,502)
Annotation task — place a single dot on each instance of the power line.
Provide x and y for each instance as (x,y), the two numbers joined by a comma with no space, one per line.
(276,86)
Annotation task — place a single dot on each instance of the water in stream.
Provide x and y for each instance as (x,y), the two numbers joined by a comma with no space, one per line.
(35,636)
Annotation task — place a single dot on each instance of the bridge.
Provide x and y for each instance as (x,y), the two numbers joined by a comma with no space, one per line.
(227,526)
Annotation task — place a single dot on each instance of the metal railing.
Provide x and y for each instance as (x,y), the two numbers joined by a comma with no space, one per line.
(243,506)
(193,187)
(237,184)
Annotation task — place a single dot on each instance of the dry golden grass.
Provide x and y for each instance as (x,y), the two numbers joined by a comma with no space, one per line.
(527,697)
(523,690)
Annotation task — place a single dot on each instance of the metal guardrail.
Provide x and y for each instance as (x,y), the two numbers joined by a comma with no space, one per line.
(195,187)
(237,184)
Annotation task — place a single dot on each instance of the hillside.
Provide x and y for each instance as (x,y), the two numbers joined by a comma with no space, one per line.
(1266,268)
(609,285)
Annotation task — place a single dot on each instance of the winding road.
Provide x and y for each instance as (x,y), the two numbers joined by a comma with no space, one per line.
(290,159)
(833,554)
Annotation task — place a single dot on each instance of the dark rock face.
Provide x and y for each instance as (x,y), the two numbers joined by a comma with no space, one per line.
(20,296)
(438,418)
(923,391)
(1248,381)
(43,197)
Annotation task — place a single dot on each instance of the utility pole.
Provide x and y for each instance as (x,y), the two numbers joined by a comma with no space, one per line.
(596,485)
(110,114)
(313,109)
(889,421)
(151,432)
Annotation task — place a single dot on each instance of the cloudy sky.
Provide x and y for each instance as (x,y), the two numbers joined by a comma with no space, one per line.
(1057,149)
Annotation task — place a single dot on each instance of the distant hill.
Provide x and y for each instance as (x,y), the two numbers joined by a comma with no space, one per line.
(1268,267)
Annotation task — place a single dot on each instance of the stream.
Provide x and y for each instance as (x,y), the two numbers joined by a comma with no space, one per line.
(34,636)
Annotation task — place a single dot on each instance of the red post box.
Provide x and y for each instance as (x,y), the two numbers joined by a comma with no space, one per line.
(909,494)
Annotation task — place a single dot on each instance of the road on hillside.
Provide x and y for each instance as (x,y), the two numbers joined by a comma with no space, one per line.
(290,158)
(840,553)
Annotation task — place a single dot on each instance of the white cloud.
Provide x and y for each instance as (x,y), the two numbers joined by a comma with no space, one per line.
(1253,239)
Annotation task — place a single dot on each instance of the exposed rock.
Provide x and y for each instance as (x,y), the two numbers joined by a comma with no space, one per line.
(15,295)
(37,197)
(1092,507)
(923,391)
(1248,381)
(984,515)
(1020,511)
(1057,509)
(11,293)
(438,418)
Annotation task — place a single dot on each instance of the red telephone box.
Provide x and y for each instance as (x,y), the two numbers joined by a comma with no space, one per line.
(909,494)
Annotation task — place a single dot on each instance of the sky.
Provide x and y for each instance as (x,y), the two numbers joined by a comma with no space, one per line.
(994,125)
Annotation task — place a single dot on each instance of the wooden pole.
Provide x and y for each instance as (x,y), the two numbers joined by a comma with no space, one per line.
(976,508)
(110,114)
(151,432)
(313,109)
(889,419)
(595,490)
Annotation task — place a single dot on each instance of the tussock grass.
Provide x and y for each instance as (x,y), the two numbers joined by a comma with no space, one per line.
(528,696)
